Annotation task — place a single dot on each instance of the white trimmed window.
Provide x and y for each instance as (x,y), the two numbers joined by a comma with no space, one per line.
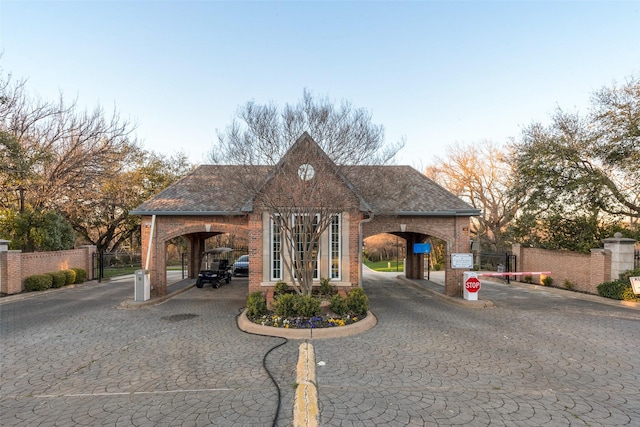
(334,247)
(276,250)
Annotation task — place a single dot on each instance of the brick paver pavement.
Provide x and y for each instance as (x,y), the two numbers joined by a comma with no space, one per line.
(71,358)
(537,358)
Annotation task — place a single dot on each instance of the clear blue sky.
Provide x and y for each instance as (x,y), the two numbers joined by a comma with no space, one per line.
(435,72)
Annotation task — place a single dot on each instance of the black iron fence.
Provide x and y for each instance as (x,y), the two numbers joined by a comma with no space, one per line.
(636,258)
(494,261)
(111,264)
(500,262)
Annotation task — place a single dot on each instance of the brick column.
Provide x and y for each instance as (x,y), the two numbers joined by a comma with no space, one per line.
(11,262)
(460,244)
(414,268)
(255,251)
(89,250)
(4,281)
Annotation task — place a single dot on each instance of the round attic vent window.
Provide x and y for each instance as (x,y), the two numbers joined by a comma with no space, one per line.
(306,172)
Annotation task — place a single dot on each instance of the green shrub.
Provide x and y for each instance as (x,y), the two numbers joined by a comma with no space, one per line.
(547,281)
(307,306)
(338,305)
(568,284)
(630,273)
(357,301)
(59,279)
(476,267)
(70,276)
(437,267)
(280,288)
(256,304)
(617,289)
(326,288)
(285,305)
(528,279)
(38,282)
(81,275)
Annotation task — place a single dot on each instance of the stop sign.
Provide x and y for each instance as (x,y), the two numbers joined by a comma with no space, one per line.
(472,284)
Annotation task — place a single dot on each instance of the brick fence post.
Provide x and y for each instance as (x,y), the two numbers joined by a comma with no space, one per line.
(89,250)
(11,264)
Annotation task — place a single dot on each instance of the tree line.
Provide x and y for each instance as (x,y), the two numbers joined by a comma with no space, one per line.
(70,176)
(564,185)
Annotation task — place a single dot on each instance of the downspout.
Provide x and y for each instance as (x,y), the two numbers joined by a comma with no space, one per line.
(370,213)
(153,226)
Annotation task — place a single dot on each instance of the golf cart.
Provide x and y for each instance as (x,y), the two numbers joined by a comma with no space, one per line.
(214,269)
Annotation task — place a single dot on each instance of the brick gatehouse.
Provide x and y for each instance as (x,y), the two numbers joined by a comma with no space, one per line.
(374,199)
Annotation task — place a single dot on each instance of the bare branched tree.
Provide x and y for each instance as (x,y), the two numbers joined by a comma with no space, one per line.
(85,165)
(302,197)
(55,152)
(480,174)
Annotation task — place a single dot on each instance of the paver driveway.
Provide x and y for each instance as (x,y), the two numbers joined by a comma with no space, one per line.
(536,359)
(71,358)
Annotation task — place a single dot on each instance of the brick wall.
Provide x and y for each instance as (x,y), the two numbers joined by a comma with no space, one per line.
(16,266)
(584,271)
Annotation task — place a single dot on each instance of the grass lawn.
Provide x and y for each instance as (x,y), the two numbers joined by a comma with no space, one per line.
(389,265)
(120,271)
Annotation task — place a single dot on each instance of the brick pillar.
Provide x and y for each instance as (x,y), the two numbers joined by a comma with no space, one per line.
(414,265)
(158,268)
(196,249)
(89,250)
(255,252)
(460,244)
(4,281)
(516,249)
(11,263)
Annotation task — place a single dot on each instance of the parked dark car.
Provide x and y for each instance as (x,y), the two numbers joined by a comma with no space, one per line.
(241,266)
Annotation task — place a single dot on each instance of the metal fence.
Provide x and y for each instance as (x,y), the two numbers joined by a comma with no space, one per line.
(494,261)
(636,258)
(110,264)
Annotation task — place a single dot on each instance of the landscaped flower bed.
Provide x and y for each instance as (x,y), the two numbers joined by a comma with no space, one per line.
(322,321)
(326,309)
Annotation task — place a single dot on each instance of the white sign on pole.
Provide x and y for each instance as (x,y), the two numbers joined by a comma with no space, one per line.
(461,260)
(635,284)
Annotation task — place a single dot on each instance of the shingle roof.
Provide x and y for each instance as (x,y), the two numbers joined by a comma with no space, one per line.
(405,191)
(206,190)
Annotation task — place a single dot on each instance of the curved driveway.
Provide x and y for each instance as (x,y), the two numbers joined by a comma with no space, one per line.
(71,358)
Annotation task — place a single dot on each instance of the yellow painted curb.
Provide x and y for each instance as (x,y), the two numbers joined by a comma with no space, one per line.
(305,408)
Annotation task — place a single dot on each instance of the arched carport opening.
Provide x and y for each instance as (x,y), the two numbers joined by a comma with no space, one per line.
(452,230)
(196,230)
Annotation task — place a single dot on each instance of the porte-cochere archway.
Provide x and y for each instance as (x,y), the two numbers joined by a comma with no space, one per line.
(196,229)
(200,206)
(453,230)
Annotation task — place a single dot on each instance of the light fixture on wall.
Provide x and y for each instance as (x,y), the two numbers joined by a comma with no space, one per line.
(403,227)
